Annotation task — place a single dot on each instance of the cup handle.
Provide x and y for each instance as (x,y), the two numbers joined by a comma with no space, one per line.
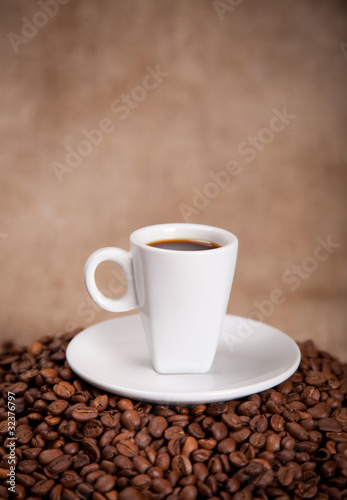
(129,300)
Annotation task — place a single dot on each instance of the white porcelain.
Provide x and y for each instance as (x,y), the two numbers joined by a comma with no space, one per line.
(182,295)
(251,357)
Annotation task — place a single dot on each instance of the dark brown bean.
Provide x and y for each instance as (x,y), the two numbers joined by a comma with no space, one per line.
(127,448)
(64,390)
(131,419)
(238,459)
(105,483)
(174,432)
(47,456)
(59,464)
(24,434)
(42,488)
(329,424)
(297,431)
(226,446)
(232,421)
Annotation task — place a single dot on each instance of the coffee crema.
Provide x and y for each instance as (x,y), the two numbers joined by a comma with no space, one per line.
(190,245)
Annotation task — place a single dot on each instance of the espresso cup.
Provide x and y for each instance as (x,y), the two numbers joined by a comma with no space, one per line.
(182,293)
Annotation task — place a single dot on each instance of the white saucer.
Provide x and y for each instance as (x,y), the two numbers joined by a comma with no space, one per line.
(251,357)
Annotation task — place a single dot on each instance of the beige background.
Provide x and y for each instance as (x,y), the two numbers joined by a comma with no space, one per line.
(223,70)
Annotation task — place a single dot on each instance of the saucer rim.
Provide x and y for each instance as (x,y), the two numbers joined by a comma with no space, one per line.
(174,397)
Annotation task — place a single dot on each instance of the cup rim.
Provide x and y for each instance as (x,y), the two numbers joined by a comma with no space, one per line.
(172,230)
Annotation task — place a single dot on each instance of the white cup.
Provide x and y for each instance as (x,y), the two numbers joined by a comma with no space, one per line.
(182,295)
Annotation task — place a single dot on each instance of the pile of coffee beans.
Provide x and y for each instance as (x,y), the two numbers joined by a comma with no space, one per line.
(74,441)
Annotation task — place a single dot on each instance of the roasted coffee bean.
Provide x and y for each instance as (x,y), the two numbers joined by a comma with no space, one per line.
(127,448)
(100,402)
(18,388)
(238,459)
(329,424)
(232,421)
(273,442)
(219,431)
(58,407)
(24,434)
(277,423)
(257,439)
(84,414)
(67,427)
(297,431)
(47,456)
(105,483)
(226,446)
(93,428)
(59,464)
(174,432)
(319,410)
(41,488)
(240,435)
(248,408)
(131,419)
(259,423)
(64,390)
(196,430)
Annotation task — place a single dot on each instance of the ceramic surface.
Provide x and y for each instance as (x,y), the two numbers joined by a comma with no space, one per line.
(251,357)
(183,338)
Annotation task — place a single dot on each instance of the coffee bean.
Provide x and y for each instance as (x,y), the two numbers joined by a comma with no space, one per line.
(42,488)
(105,483)
(207,444)
(182,464)
(277,423)
(196,430)
(297,431)
(127,448)
(189,492)
(25,480)
(238,459)
(18,388)
(141,482)
(67,427)
(174,432)
(84,414)
(337,437)
(70,479)
(58,407)
(131,419)
(232,421)
(240,435)
(219,430)
(141,464)
(226,446)
(259,423)
(27,466)
(130,493)
(329,424)
(320,410)
(47,456)
(24,434)
(64,390)
(93,428)
(157,426)
(257,439)
(142,438)
(59,464)
(248,408)
(100,402)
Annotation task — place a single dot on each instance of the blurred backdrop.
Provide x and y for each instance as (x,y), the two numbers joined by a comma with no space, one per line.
(120,114)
